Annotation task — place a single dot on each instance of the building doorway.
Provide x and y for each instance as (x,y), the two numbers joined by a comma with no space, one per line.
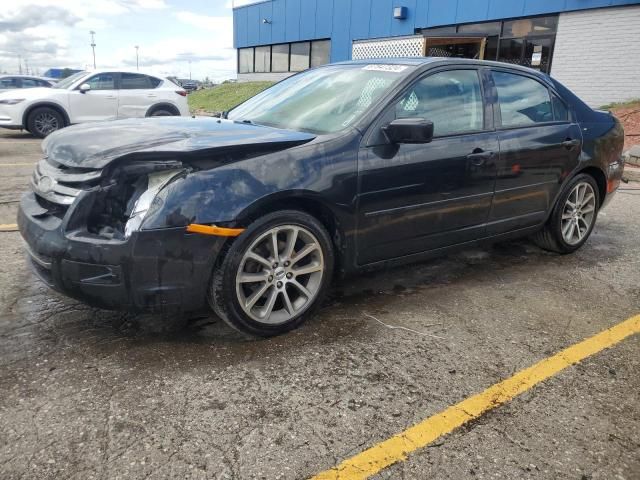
(456,47)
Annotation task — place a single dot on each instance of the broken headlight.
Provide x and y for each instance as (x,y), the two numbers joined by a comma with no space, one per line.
(148,199)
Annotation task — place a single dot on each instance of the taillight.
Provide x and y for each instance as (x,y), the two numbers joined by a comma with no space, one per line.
(182,93)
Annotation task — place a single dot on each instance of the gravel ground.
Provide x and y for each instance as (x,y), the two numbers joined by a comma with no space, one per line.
(86,393)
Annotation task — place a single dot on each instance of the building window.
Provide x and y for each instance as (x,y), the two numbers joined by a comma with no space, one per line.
(524,41)
(245,60)
(320,52)
(300,56)
(280,58)
(284,57)
(530,26)
(263,59)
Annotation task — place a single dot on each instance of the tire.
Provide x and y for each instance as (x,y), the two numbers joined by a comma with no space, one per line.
(242,288)
(44,120)
(554,236)
(162,112)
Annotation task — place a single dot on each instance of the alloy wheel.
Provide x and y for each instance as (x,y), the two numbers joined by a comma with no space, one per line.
(578,213)
(46,123)
(280,274)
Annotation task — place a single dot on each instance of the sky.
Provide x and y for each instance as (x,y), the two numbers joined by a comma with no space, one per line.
(169,33)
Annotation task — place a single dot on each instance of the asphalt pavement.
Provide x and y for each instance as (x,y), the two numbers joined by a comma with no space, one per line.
(86,393)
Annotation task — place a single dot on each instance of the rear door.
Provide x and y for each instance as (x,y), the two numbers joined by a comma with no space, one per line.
(539,146)
(137,94)
(99,103)
(418,197)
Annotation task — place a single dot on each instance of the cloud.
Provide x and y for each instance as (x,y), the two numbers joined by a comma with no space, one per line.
(54,33)
(17,20)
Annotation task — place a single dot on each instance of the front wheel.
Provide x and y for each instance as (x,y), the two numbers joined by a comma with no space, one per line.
(573,217)
(274,275)
(43,121)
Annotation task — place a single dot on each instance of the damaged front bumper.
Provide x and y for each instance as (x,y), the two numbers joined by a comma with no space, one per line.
(163,270)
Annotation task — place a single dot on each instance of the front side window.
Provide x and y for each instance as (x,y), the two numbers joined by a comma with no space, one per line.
(134,81)
(323,100)
(523,101)
(452,100)
(30,83)
(102,81)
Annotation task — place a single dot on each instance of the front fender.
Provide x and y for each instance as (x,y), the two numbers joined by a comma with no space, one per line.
(229,194)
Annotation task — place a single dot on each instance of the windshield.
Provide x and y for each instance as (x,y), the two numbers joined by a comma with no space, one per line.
(322,100)
(67,82)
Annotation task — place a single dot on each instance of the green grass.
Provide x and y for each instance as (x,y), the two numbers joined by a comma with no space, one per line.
(630,103)
(224,97)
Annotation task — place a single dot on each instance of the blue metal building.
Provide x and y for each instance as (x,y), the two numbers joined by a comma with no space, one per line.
(275,38)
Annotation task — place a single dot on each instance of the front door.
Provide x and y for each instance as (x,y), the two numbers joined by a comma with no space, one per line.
(539,146)
(99,103)
(418,197)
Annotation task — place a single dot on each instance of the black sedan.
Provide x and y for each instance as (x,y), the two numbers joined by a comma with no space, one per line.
(335,170)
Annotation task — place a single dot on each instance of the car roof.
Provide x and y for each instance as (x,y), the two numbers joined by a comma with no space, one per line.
(423,61)
(118,70)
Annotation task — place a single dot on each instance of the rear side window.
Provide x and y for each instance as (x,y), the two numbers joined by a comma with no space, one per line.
(452,100)
(137,81)
(560,111)
(523,101)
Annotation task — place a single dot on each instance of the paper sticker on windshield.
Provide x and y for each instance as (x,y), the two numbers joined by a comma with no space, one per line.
(386,68)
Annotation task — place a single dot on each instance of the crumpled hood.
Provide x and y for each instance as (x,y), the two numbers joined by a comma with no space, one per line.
(95,145)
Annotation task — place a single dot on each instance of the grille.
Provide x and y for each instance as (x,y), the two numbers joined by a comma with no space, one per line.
(390,47)
(61,185)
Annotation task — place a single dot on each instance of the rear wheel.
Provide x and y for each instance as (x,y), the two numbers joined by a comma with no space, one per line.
(573,217)
(43,121)
(162,112)
(274,275)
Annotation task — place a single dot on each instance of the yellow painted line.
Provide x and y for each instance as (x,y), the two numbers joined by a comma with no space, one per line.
(10,227)
(398,447)
(18,164)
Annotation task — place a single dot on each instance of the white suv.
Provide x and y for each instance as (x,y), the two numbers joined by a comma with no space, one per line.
(90,97)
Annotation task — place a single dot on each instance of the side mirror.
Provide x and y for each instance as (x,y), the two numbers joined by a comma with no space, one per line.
(84,88)
(409,130)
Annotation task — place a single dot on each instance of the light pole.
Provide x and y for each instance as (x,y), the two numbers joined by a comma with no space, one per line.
(93,47)
(137,67)
(189,69)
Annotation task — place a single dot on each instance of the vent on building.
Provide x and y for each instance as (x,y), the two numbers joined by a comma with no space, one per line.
(389,47)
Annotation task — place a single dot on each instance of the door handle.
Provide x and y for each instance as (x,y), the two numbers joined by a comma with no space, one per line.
(152,95)
(479,157)
(569,143)
(111,97)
